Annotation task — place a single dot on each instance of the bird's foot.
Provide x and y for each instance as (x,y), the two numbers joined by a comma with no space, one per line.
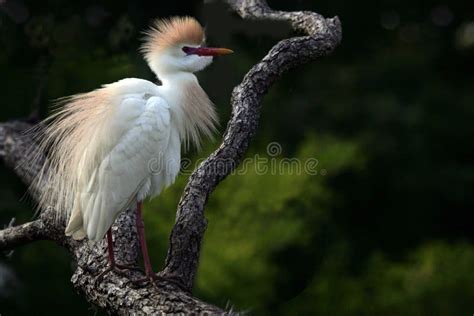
(120,269)
(149,278)
(153,279)
(124,267)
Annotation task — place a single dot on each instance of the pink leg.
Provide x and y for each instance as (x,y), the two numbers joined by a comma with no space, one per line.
(110,248)
(113,266)
(111,255)
(142,239)
(150,275)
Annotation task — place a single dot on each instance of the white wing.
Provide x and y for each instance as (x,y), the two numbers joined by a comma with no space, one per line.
(139,132)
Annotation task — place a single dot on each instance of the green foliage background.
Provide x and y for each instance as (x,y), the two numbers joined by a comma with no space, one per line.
(383,228)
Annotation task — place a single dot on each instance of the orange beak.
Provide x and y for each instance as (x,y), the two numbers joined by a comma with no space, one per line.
(207,51)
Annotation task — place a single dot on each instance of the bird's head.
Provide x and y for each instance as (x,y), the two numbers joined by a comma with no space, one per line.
(178,45)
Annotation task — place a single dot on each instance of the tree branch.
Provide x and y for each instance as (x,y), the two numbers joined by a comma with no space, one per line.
(12,237)
(324,36)
(115,293)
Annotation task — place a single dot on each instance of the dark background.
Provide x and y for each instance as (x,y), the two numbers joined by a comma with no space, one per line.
(382,229)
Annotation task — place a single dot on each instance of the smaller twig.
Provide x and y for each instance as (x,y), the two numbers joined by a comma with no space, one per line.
(9,254)
(12,222)
(15,236)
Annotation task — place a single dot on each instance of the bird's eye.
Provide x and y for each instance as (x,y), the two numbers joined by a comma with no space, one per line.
(187,50)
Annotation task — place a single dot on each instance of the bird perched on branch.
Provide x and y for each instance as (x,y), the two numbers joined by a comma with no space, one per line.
(109,149)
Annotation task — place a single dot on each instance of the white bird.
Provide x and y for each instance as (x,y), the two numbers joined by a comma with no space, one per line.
(109,149)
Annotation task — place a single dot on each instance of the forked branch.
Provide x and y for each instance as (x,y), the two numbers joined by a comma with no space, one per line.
(323,36)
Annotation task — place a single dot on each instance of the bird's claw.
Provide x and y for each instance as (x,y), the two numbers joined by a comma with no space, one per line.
(124,267)
(154,279)
(119,269)
(151,278)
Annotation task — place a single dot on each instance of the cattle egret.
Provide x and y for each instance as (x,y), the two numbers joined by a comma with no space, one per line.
(111,148)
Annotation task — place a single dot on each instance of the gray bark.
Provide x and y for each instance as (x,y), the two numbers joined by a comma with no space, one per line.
(114,292)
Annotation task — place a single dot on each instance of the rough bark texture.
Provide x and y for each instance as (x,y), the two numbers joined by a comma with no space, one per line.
(114,292)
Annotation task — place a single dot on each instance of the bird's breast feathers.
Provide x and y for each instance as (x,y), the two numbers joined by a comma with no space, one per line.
(133,154)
